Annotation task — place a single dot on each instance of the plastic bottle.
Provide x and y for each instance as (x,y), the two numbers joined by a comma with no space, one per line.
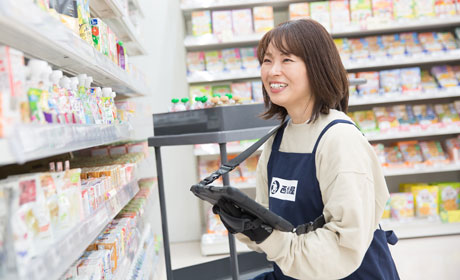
(205,101)
(230,99)
(174,104)
(66,99)
(49,111)
(186,103)
(77,105)
(106,105)
(121,55)
(97,104)
(34,92)
(197,104)
(113,106)
(57,105)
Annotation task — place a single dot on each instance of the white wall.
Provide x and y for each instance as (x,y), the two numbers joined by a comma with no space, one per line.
(164,66)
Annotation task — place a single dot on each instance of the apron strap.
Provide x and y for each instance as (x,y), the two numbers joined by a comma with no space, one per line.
(311,226)
(278,137)
(334,122)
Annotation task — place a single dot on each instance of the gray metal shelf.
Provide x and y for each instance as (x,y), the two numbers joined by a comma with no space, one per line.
(221,137)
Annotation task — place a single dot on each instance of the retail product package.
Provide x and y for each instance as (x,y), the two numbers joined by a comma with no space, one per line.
(390,81)
(360,11)
(424,8)
(445,8)
(366,121)
(359,48)
(403,9)
(411,80)
(453,148)
(449,195)
(448,40)
(340,13)
(445,76)
(68,14)
(263,19)
(214,62)
(411,152)
(344,48)
(428,82)
(412,43)
(319,11)
(387,210)
(425,115)
(198,91)
(223,118)
(393,157)
(382,10)
(14,106)
(386,118)
(249,58)
(426,201)
(222,24)
(195,62)
(372,85)
(446,113)
(433,152)
(97,31)
(243,90)
(201,23)
(221,90)
(393,45)
(242,22)
(299,11)
(405,116)
(379,149)
(431,42)
(352,89)
(257,92)
(376,47)
(84,20)
(402,206)
(232,59)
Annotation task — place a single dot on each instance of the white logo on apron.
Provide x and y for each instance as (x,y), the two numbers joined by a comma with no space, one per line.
(283,189)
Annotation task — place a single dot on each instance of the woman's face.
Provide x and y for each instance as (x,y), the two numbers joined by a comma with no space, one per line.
(284,77)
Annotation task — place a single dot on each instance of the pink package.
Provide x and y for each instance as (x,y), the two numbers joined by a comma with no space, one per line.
(242,22)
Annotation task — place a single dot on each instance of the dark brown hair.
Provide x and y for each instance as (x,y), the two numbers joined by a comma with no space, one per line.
(327,76)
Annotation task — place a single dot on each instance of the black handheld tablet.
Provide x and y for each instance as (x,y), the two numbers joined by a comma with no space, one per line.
(212,194)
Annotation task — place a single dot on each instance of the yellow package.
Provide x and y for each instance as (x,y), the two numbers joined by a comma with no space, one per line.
(407,187)
(402,205)
(449,196)
(426,200)
(386,210)
(451,216)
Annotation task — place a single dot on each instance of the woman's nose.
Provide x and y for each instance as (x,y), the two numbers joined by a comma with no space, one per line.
(275,70)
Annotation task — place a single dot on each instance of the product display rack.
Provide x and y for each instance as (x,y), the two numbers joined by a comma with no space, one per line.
(222,138)
(55,43)
(30,142)
(235,4)
(53,263)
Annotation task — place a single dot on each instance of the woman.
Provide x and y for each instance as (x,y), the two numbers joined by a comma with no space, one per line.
(317,163)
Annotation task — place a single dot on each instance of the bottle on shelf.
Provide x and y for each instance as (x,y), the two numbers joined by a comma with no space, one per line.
(185,103)
(57,105)
(174,105)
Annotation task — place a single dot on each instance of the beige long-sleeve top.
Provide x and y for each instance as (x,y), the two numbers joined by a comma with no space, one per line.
(354,194)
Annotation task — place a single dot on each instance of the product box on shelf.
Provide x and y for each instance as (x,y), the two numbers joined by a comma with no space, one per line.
(232,59)
(243,89)
(382,10)
(257,94)
(222,24)
(249,58)
(360,11)
(242,22)
(68,14)
(402,206)
(214,62)
(320,12)
(424,8)
(263,19)
(195,62)
(453,148)
(299,11)
(449,195)
(201,23)
(340,13)
(84,20)
(426,201)
(445,8)
(403,9)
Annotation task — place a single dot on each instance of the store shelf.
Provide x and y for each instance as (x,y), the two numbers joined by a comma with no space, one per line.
(106,8)
(404,61)
(208,77)
(194,43)
(213,149)
(55,43)
(30,142)
(137,6)
(413,134)
(419,228)
(145,247)
(232,4)
(398,97)
(53,263)
(390,172)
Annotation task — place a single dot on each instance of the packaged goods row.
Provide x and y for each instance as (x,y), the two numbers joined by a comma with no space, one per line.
(406,81)
(407,117)
(340,14)
(76,16)
(410,44)
(409,154)
(424,200)
(225,24)
(37,94)
(119,241)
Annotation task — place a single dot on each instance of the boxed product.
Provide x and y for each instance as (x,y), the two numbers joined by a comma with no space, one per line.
(446,113)
(221,90)
(444,8)
(445,76)
(340,13)
(263,19)
(257,93)
(426,200)
(195,62)
(430,42)
(359,48)
(411,80)
(299,11)
(393,156)
(412,43)
(232,59)
(425,114)
(68,14)
(198,91)
(432,152)
(448,40)
(393,45)
(366,121)
(242,22)
(379,149)
(424,8)
(407,187)
(344,48)
(411,152)
(402,205)
(249,58)
(372,85)
(320,12)
(222,23)
(84,20)
(382,9)
(390,80)
(386,118)
(427,81)
(376,47)
(449,195)
(352,91)
(453,148)
(214,62)
(14,106)
(201,23)
(360,11)
(243,90)
(96,32)
(405,116)
(387,210)
(403,9)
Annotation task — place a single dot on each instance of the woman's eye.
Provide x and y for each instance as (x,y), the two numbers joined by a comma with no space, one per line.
(266,60)
(288,60)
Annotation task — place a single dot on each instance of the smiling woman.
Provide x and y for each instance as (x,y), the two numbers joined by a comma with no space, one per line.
(317,167)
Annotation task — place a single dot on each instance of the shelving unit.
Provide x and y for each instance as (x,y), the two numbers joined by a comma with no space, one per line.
(61,47)
(413,134)
(30,142)
(53,263)
(420,228)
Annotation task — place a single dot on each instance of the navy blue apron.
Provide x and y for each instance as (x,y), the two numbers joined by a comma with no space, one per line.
(295,195)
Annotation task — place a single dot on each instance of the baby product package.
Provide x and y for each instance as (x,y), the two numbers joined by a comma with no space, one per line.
(232,59)
(242,22)
(426,201)
(320,12)
(382,9)
(403,9)
(214,62)
(411,152)
(249,58)
(257,93)
(433,153)
(339,14)
(366,121)
(299,11)
(453,148)
(402,205)
(263,19)
(195,62)
(222,23)
(449,195)
(243,90)
(372,85)
(201,23)
(360,11)
(424,8)
(390,80)
(411,80)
